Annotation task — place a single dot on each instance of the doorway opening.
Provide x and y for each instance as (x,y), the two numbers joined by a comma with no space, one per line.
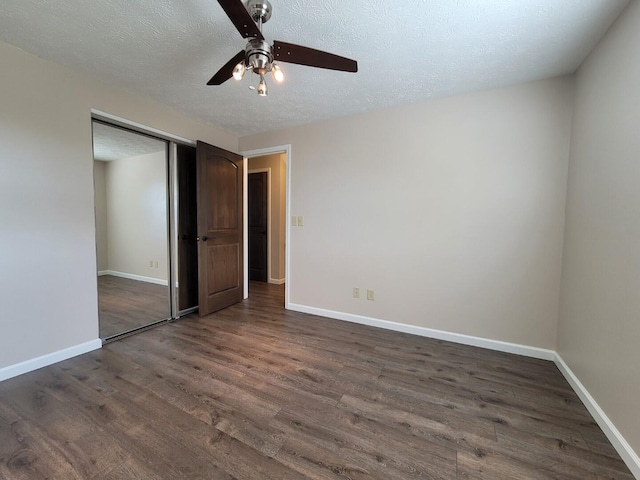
(266,220)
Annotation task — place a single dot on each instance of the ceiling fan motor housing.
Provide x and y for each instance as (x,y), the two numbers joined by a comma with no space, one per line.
(258,56)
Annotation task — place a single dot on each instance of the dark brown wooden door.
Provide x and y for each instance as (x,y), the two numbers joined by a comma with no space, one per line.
(258,226)
(220,249)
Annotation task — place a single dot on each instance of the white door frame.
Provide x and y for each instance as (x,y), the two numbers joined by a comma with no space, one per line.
(247,154)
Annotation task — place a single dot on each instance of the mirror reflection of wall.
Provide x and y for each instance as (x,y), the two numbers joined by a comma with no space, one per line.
(130,175)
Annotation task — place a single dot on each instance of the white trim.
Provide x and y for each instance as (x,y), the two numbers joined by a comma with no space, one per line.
(277,281)
(269,213)
(99,115)
(286,149)
(245,224)
(613,434)
(131,276)
(172,222)
(498,345)
(49,359)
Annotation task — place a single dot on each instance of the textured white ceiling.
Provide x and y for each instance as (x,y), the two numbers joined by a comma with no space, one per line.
(110,143)
(407,50)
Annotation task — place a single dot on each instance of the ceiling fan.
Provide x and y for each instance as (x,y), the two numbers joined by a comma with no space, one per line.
(259,57)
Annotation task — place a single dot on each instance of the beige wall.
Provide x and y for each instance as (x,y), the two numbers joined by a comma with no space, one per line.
(451,211)
(276,163)
(102,227)
(48,282)
(599,327)
(137,215)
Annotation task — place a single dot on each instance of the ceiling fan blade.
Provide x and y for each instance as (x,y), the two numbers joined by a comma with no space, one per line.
(226,72)
(241,18)
(288,52)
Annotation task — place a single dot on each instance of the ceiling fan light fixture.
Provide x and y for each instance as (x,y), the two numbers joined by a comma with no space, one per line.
(238,71)
(277,73)
(258,55)
(262,87)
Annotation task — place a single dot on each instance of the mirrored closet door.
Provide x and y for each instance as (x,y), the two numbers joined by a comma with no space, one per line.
(131,185)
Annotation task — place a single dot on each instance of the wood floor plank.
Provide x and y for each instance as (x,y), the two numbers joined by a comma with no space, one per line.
(204,452)
(17,458)
(258,392)
(30,452)
(499,409)
(558,456)
(485,465)
(129,470)
(381,449)
(319,460)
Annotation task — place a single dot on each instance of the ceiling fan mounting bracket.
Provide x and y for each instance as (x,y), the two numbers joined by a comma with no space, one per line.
(260,10)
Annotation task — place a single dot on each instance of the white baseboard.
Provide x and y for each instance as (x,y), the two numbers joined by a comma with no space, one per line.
(131,276)
(277,281)
(498,345)
(49,359)
(613,434)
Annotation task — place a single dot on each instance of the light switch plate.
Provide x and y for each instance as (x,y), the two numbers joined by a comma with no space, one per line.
(300,221)
(294,221)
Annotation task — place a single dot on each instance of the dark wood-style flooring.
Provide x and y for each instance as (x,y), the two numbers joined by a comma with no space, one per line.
(257,392)
(126,304)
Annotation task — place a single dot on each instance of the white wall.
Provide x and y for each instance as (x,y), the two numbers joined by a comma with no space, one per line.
(137,215)
(599,326)
(451,211)
(48,286)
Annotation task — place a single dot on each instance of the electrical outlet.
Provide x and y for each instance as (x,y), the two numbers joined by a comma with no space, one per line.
(370,295)
(356,292)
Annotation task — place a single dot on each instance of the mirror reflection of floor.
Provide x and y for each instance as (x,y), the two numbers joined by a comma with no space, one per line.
(126,304)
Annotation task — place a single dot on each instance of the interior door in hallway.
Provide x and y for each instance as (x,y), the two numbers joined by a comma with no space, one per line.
(220,246)
(258,226)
